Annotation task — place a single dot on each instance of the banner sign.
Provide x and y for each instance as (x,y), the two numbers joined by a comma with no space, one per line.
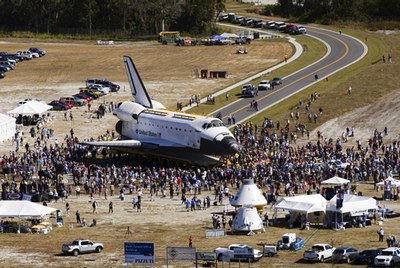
(181,253)
(139,252)
(215,233)
(206,256)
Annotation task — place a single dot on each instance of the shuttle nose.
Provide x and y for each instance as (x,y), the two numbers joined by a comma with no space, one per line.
(234,147)
(231,144)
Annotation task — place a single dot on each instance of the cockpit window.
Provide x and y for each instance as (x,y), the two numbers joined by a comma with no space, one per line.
(213,123)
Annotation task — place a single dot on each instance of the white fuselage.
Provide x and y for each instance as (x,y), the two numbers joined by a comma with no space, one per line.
(170,129)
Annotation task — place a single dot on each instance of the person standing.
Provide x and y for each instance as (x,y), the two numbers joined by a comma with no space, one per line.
(110,207)
(67,208)
(349,90)
(190,241)
(78,217)
(381,234)
(94,205)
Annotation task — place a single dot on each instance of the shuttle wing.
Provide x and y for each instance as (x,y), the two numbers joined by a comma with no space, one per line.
(137,86)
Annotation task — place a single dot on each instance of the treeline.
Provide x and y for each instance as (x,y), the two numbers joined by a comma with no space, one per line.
(327,11)
(109,17)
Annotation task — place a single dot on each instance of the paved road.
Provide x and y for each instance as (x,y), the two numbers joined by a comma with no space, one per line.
(343,50)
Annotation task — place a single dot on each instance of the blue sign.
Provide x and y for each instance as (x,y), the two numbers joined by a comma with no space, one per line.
(136,252)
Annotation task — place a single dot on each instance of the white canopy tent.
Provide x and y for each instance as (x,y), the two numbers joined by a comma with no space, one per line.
(389,181)
(303,203)
(303,208)
(335,181)
(352,204)
(31,107)
(23,209)
(7,127)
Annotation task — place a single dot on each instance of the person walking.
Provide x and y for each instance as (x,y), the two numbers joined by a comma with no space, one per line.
(349,90)
(381,234)
(110,207)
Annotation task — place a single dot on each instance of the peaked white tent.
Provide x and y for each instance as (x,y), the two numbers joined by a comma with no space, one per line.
(23,209)
(389,181)
(7,127)
(303,203)
(336,181)
(229,35)
(249,194)
(31,107)
(247,220)
(353,203)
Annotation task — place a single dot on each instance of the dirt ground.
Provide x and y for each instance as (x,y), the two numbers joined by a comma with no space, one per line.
(167,72)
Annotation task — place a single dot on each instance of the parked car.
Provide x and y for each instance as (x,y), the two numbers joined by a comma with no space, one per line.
(388,257)
(247,86)
(2,75)
(84,97)
(248,90)
(94,92)
(364,257)
(341,254)
(280,25)
(300,30)
(75,101)
(59,105)
(41,52)
(82,246)
(318,252)
(277,81)
(7,64)
(25,56)
(113,87)
(4,69)
(234,251)
(264,85)
(105,90)
(242,40)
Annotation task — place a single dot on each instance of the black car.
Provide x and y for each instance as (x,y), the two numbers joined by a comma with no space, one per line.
(364,257)
(41,52)
(276,81)
(2,75)
(112,86)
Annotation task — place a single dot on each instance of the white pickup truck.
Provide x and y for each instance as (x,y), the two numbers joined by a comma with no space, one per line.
(238,252)
(82,246)
(318,252)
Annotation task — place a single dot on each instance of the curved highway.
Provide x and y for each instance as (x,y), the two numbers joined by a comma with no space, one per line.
(343,50)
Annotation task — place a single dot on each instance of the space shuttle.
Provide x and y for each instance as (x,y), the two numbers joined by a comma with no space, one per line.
(147,127)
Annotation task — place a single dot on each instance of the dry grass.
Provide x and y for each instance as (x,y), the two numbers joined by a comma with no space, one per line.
(167,71)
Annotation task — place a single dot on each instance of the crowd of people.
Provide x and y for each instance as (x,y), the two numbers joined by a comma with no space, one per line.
(268,154)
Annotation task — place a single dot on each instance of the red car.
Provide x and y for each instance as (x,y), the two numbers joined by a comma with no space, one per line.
(59,105)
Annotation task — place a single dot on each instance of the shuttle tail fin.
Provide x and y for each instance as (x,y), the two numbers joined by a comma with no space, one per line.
(136,84)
